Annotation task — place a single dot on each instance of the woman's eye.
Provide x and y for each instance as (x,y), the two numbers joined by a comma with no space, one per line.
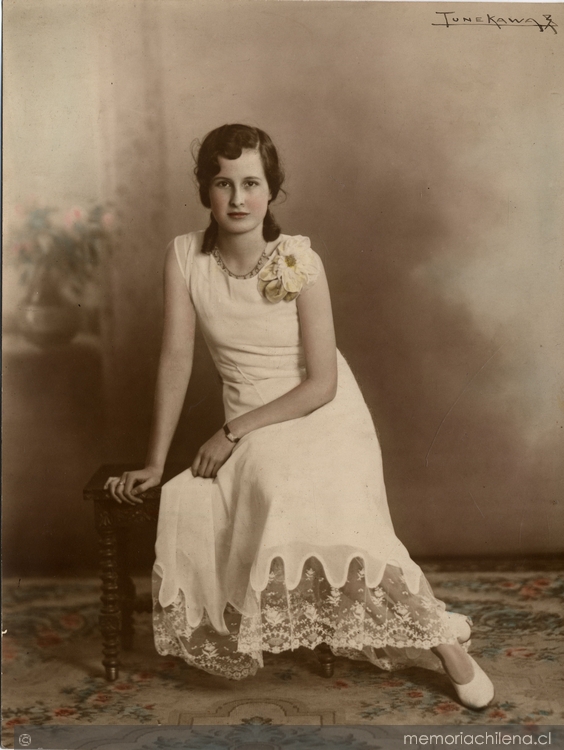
(252,183)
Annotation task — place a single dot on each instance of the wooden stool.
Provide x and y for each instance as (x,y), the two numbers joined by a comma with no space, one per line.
(113,524)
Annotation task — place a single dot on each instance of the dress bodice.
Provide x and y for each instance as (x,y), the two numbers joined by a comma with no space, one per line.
(255,344)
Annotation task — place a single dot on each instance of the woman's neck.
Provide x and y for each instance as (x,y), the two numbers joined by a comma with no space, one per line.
(241,252)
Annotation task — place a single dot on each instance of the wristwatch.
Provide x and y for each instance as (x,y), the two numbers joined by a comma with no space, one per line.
(229,435)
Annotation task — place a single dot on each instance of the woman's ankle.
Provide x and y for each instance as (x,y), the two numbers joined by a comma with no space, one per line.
(456,662)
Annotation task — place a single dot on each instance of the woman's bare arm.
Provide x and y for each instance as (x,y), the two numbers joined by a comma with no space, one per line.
(318,388)
(175,367)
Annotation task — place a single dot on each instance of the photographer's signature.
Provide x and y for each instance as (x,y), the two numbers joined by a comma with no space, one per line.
(450,19)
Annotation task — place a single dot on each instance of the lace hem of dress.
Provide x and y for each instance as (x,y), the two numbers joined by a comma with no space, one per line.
(388,624)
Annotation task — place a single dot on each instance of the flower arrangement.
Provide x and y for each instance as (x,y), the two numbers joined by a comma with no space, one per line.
(292,267)
(58,256)
(68,251)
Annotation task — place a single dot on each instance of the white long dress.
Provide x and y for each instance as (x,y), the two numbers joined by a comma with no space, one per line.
(292,543)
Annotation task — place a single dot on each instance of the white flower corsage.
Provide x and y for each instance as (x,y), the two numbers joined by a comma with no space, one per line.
(292,267)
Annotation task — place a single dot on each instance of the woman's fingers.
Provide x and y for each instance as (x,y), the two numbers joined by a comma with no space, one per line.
(211,456)
(112,486)
(128,491)
(208,471)
(118,489)
(144,486)
(204,466)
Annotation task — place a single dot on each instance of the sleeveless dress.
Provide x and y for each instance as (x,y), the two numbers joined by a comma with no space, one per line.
(292,543)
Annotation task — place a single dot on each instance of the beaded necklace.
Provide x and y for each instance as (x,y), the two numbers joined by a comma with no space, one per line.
(261,261)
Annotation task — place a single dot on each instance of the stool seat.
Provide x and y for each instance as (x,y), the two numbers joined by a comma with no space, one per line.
(113,523)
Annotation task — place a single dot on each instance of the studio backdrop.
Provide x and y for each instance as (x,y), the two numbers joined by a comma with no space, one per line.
(424,161)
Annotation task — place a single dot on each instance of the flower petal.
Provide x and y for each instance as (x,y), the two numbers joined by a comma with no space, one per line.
(274,291)
(293,280)
(290,296)
(268,272)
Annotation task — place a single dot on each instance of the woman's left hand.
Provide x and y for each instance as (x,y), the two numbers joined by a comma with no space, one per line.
(212,455)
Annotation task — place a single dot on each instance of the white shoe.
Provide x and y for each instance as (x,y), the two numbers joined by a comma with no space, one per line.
(479,692)
(460,626)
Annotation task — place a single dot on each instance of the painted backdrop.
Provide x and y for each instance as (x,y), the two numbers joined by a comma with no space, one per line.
(424,161)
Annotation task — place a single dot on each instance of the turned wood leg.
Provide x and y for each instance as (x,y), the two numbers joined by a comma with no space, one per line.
(110,615)
(127,591)
(326,659)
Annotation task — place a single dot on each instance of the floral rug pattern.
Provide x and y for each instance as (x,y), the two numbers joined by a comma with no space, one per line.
(53,672)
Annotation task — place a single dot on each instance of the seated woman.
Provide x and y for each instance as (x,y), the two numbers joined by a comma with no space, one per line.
(279,535)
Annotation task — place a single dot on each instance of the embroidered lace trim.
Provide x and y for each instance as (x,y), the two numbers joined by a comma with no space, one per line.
(388,624)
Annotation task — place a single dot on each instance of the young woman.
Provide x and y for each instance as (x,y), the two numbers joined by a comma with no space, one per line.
(279,534)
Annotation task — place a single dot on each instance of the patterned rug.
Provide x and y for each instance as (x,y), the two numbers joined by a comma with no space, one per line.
(53,673)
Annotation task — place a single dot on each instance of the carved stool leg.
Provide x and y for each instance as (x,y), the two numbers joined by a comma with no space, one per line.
(110,615)
(126,591)
(326,659)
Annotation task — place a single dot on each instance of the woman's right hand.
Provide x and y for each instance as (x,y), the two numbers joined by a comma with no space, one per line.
(131,484)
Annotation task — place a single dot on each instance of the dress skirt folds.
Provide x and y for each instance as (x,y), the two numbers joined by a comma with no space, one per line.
(292,543)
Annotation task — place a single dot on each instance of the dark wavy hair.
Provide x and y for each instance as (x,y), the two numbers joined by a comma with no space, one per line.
(229,141)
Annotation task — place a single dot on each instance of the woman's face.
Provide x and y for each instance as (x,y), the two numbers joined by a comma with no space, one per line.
(239,194)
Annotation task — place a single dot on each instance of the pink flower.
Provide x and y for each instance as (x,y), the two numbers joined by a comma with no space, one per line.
(48,638)
(65,711)
(392,683)
(123,686)
(18,720)
(73,216)
(142,676)
(415,694)
(72,621)
(102,698)
(446,708)
(341,684)
(529,591)
(541,582)
(520,652)
(497,713)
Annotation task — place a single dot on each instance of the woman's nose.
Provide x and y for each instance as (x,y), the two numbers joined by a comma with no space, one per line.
(236,196)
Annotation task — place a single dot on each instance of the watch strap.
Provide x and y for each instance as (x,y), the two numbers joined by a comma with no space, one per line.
(229,435)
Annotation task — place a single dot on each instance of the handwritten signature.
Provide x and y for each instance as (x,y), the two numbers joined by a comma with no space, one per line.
(451,19)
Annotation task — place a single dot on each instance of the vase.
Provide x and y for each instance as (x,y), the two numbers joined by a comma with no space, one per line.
(46,317)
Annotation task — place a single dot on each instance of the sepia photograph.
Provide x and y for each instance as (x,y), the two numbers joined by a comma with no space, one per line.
(283,356)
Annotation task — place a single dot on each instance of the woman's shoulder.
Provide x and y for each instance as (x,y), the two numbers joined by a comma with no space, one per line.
(187,247)
(189,242)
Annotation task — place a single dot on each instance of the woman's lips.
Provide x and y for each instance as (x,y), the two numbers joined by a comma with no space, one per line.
(237,215)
